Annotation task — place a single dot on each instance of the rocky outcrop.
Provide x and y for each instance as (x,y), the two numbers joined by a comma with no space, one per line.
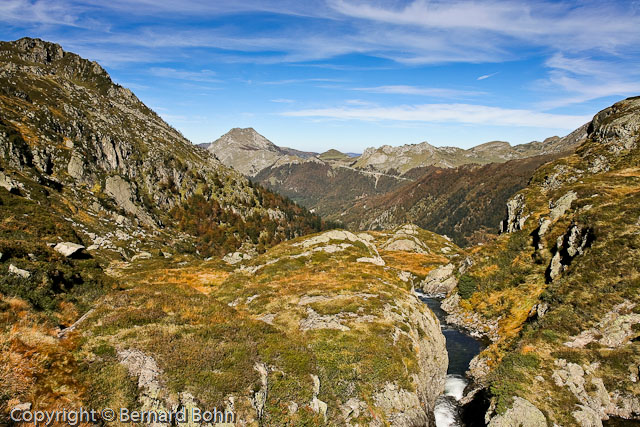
(560,206)
(153,394)
(617,127)
(522,414)
(405,239)
(259,399)
(11,185)
(317,405)
(614,330)
(516,215)
(19,272)
(439,281)
(343,235)
(403,407)
(568,246)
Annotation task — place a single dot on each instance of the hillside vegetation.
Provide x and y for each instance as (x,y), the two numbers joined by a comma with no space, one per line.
(558,292)
(464,203)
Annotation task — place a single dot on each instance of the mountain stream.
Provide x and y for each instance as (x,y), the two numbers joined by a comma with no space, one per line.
(461,348)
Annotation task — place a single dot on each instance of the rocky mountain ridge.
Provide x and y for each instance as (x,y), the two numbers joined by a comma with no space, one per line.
(250,153)
(67,126)
(338,186)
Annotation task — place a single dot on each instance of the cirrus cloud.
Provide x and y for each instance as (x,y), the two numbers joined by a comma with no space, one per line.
(456,113)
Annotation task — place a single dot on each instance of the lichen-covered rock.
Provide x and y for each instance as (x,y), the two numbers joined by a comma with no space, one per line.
(522,414)
(562,205)
(613,331)
(153,394)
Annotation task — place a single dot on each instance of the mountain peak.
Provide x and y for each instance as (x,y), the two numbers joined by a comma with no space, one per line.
(53,59)
(246,138)
(245,150)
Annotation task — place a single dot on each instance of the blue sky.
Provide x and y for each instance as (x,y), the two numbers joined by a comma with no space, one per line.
(350,74)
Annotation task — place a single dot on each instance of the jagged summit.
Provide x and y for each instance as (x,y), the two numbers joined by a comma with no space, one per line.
(51,58)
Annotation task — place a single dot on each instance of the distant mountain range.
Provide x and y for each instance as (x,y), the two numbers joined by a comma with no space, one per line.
(250,153)
(387,186)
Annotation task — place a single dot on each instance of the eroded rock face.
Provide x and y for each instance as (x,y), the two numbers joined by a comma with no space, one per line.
(124,195)
(568,246)
(432,360)
(516,216)
(403,406)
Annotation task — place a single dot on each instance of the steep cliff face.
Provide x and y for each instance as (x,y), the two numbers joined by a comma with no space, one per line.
(558,292)
(65,125)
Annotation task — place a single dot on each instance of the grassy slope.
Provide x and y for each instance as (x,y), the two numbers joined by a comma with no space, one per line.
(181,315)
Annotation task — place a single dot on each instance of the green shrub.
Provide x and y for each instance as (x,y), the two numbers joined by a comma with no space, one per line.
(467,285)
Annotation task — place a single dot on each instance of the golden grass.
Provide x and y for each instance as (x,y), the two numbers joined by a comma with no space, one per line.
(418,264)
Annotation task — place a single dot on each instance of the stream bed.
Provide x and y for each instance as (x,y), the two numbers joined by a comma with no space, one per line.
(461,348)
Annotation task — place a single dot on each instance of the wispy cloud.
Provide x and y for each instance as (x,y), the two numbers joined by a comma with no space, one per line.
(299,81)
(455,113)
(283,101)
(422,91)
(486,76)
(610,25)
(581,79)
(197,76)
